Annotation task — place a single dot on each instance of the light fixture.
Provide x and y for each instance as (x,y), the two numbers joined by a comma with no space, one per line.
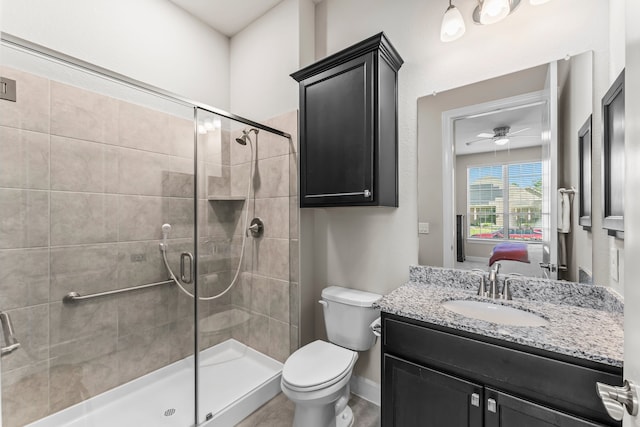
(491,11)
(452,24)
(501,135)
(485,13)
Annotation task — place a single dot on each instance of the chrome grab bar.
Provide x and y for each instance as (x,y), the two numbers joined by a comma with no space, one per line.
(9,336)
(72,297)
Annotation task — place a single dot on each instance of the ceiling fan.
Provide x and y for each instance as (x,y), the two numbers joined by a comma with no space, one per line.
(500,136)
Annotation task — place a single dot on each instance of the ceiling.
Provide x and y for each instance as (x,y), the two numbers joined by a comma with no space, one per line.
(227,16)
(467,129)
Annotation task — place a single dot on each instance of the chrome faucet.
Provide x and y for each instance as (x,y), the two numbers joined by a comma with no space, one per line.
(506,289)
(482,289)
(493,281)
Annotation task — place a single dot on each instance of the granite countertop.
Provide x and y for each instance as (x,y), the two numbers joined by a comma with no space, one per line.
(585,321)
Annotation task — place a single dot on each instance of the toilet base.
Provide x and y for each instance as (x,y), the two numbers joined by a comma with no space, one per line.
(345,418)
(323,411)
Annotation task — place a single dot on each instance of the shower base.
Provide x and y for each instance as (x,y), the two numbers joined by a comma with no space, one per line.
(235,380)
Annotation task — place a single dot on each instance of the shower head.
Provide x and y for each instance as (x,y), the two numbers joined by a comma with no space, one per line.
(166,228)
(245,136)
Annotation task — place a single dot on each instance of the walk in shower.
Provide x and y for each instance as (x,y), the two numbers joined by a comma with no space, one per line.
(148,251)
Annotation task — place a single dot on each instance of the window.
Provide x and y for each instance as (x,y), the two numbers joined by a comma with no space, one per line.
(505,201)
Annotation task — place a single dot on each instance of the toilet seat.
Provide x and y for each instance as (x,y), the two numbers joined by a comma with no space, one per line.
(317,365)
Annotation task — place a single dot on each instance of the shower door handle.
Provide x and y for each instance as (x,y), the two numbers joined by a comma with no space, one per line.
(183,277)
(10,339)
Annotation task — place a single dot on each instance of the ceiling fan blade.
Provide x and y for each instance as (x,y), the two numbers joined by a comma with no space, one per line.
(525,136)
(477,140)
(485,135)
(517,132)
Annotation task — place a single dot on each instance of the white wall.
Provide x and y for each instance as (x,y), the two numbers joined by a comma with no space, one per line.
(153,41)
(632,201)
(370,248)
(262,57)
(575,105)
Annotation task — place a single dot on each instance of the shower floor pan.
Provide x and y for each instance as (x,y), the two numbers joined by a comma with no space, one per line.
(235,380)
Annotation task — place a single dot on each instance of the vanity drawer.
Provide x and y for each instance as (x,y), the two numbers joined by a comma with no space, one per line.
(555,383)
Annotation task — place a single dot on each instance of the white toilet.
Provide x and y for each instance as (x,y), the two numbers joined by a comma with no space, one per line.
(316,377)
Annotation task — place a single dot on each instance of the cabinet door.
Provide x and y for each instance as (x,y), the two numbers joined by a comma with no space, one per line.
(417,396)
(503,410)
(336,152)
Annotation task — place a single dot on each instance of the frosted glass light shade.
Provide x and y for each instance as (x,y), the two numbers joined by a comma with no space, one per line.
(452,25)
(501,141)
(537,2)
(493,11)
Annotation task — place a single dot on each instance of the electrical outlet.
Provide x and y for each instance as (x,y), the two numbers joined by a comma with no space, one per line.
(423,228)
(613,260)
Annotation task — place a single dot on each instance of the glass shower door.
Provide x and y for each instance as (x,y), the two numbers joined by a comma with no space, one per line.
(92,168)
(243,266)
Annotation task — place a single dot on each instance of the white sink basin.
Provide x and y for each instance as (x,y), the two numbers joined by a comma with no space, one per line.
(495,313)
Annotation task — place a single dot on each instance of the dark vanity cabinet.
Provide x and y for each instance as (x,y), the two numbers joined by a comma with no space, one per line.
(349,127)
(438,377)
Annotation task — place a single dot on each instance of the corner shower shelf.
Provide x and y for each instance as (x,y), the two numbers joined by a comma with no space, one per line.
(226,198)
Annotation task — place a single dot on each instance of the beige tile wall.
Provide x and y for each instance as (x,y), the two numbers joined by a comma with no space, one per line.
(86,181)
(85,184)
(268,289)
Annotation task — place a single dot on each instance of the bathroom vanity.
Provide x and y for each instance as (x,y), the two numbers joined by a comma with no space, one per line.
(441,368)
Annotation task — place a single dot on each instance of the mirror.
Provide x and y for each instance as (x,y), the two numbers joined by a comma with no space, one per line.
(505,146)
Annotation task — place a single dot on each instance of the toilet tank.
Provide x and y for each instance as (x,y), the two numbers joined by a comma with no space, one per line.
(347,316)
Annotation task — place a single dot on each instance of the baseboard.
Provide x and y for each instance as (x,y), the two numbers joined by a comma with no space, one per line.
(366,389)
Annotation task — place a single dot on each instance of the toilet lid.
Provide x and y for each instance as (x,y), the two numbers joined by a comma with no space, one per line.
(317,363)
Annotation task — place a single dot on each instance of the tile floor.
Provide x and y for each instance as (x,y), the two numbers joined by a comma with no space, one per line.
(278,412)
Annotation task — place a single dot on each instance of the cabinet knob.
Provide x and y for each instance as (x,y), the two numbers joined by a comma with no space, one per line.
(492,406)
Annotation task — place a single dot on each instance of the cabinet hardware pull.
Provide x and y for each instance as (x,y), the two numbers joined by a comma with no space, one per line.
(492,406)
(365,193)
(475,400)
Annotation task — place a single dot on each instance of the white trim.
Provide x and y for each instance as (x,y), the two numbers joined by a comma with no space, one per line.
(448,156)
(367,389)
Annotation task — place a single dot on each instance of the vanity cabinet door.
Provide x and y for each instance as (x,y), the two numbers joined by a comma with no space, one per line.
(503,410)
(417,396)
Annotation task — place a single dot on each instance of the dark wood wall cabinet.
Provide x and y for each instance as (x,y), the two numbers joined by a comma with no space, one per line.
(439,377)
(349,127)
